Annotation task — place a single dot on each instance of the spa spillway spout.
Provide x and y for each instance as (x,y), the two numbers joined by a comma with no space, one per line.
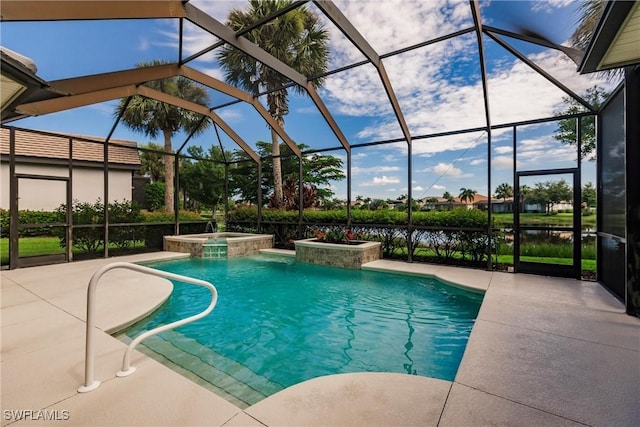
(212,225)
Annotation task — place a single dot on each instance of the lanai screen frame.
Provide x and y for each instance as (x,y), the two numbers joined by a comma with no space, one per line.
(97,88)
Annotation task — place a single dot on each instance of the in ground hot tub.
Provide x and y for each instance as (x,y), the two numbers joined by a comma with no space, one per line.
(218,245)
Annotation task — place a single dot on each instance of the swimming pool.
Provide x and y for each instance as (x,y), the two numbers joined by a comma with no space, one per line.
(278,323)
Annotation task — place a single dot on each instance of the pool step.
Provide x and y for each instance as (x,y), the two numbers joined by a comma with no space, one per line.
(227,378)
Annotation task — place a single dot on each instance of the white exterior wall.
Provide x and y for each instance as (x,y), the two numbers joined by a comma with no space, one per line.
(49,195)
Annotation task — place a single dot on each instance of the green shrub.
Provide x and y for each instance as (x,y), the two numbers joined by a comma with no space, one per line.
(125,212)
(161,216)
(154,196)
(87,239)
(31,217)
(91,239)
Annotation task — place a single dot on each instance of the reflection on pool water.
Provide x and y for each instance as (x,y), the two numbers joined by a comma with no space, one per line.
(278,323)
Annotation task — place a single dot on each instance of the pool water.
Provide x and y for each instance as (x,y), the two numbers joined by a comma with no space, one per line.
(278,323)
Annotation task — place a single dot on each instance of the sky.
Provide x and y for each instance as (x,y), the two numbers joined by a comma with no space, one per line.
(438,87)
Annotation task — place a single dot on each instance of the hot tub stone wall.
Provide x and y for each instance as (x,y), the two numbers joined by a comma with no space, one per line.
(236,246)
(192,247)
(248,246)
(337,255)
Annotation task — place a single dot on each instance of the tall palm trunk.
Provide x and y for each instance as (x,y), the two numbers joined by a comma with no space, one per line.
(277,169)
(168,171)
(277,102)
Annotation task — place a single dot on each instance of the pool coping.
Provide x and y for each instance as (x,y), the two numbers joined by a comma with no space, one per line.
(524,323)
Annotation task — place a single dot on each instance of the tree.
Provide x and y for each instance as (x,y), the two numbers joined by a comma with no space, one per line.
(525,191)
(378,204)
(297,39)
(467,195)
(318,171)
(589,15)
(448,196)
(566,132)
(291,195)
(152,162)
(550,193)
(503,191)
(202,181)
(152,117)
(589,195)
(154,196)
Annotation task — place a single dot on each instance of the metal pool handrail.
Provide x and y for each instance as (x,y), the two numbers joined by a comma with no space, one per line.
(90,383)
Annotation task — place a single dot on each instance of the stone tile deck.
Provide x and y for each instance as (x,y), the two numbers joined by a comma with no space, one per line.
(544,351)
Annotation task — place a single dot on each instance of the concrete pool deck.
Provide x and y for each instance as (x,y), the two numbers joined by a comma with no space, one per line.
(543,351)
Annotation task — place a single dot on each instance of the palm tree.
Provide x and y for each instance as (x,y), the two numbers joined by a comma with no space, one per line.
(467,195)
(297,39)
(152,117)
(589,15)
(525,192)
(503,191)
(152,161)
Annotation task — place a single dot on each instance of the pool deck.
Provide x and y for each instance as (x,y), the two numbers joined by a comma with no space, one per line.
(543,351)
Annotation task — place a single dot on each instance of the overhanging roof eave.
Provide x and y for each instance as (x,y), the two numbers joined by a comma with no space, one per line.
(611,20)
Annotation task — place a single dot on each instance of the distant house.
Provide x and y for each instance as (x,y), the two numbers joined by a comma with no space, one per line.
(507,206)
(497,205)
(442,204)
(40,154)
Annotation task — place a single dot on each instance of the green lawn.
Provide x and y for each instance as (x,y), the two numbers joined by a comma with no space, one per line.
(33,246)
(587,264)
(560,219)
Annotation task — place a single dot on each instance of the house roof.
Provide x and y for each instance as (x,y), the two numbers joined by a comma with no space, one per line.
(18,79)
(616,39)
(48,146)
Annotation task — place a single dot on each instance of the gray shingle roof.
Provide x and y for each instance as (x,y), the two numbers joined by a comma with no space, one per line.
(30,144)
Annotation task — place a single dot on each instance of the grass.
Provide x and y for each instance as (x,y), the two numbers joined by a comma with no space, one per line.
(550,250)
(560,219)
(34,246)
(31,246)
(587,264)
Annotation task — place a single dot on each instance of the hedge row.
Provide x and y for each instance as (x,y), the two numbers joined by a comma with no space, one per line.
(91,239)
(454,234)
(461,217)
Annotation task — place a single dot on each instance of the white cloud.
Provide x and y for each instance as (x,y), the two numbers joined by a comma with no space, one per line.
(374,169)
(542,150)
(433,94)
(392,24)
(548,5)
(418,188)
(307,110)
(503,149)
(438,86)
(502,162)
(214,72)
(383,180)
(143,44)
(230,115)
(218,9)
(445,169)
(438,187)
(476,162)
